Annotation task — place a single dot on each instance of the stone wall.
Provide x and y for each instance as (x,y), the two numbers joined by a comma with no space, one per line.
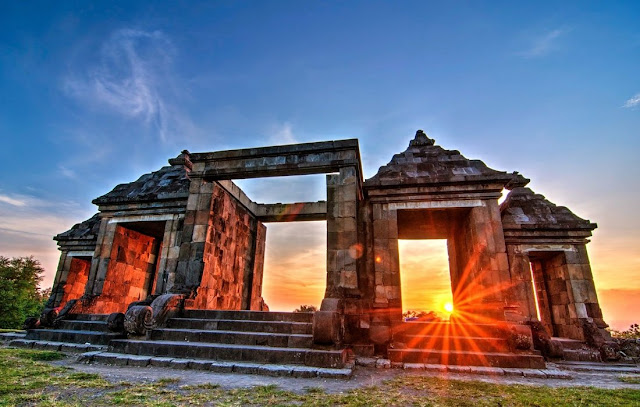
(76,279)
(257,302)
(130,272)
(228,254)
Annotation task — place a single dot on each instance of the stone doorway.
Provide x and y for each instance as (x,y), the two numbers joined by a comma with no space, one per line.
(547,276)
(295,265)
(133,265)
(425,277)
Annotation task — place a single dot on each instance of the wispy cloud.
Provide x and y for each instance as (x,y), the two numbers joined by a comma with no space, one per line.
(133,77)
(542,44)
(282,134)
(632,102)
(66,172)
(12,201)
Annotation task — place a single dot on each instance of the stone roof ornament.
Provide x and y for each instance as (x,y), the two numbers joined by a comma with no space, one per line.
(421,139)
(182,159)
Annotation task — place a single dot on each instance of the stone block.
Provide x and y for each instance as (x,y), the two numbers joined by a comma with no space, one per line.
(180,363)
(383,364)
(221,367)
(348,279)
(380,334)
(160,362)
(413,366)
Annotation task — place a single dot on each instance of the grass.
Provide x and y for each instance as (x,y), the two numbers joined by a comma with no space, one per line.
(28,380)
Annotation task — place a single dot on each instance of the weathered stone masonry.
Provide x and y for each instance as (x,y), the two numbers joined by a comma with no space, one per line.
(188,230)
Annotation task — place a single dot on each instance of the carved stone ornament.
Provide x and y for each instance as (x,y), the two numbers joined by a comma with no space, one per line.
(138,319)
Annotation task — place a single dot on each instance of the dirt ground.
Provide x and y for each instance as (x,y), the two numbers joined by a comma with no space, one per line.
(362,377)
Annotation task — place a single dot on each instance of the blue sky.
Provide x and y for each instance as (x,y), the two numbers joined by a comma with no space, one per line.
(92,95)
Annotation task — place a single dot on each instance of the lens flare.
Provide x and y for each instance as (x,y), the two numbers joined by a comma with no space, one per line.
(448,307)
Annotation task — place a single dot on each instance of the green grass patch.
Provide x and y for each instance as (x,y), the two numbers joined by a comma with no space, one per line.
(165,381)
(28,380)
(41,355)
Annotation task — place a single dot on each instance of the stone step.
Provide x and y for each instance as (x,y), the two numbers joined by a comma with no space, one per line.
(601,367)
(65,335)
(448,329)
(281,327)
(570,343)
(581,355)
(478,344)
(82,325)
(217,366)
(442,357)
(10,336)
(233,337)
(249,315)
(87,317)
(57,346)
(230,352)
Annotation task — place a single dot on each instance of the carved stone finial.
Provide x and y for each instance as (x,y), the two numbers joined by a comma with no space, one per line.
(421,139)
(182,159)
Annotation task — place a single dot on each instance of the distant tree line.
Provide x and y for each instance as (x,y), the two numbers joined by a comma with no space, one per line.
(20,296)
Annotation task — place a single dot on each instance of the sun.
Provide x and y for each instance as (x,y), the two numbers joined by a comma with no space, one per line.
(448,307)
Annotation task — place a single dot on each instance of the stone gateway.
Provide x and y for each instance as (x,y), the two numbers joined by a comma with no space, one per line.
(172,264)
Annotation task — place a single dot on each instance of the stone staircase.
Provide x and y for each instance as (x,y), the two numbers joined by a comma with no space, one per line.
(457,343)
(272,343)
(77,328)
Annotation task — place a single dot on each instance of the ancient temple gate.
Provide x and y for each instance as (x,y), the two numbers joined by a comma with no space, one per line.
(176,247)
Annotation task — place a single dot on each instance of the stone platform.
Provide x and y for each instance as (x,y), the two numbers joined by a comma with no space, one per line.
(456,343)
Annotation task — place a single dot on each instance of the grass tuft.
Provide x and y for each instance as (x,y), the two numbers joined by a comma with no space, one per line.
(165,381)
(40,355)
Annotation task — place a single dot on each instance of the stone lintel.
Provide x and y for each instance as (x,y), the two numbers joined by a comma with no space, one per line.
(75,253)
(548,236)
(480,180)
(142,218)
(434,193)
(292,212)
(288,149)
(433,204)
(527,248)
(294,159)
(177,206)
(86,246)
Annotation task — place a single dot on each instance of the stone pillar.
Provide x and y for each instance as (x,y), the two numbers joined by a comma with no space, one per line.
(343,195)
(342,232)
(101,258)
(582,290)
(521,291)
(194,234)
(257,302)
(169,254)
(387,301)
(57,292)
(482,275)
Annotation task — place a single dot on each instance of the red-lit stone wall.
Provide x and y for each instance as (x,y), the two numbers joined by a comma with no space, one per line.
(76,279)
(128,274)
(228,252)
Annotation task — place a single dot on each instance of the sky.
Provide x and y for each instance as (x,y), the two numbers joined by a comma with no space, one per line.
(93,94)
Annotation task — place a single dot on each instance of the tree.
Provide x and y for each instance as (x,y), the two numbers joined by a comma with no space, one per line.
(632,333)
(306,308)
(20,297)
